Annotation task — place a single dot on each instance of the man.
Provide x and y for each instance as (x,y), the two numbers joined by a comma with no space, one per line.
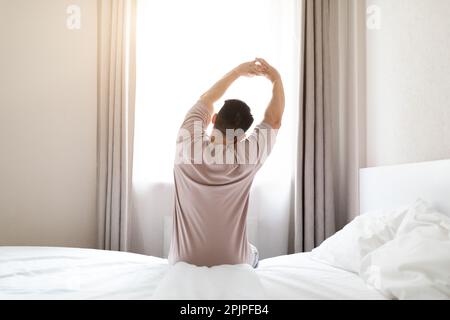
(212,195)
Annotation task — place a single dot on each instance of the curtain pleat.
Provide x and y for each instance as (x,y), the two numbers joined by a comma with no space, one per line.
(116,89)
(314,216)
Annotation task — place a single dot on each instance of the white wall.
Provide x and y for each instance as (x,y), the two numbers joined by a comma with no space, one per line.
(408,115)
(47,124)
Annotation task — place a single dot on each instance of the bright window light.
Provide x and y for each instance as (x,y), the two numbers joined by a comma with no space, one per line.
(183,47)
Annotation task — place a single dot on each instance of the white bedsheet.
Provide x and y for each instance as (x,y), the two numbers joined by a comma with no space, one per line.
(70,273)
(300,278)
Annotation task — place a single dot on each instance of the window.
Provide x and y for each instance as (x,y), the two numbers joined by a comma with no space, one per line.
(183,47)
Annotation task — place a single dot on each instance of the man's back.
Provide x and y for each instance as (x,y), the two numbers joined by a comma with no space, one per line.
(210,214)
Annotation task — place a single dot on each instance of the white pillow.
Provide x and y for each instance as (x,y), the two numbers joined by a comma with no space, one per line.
(367,232)
(416,264)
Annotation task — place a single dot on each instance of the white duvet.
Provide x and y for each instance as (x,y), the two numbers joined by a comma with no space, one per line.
(403,253)
(184,281)
(416,263)
(68,273)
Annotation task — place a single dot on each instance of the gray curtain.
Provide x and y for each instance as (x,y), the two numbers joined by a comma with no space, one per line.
(348,18)
(116,91)
(314,211)
(330,120)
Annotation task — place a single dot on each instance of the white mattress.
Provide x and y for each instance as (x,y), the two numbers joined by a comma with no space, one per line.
(70,273)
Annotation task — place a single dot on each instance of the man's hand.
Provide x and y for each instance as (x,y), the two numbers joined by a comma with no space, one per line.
(267,70)
(249,69)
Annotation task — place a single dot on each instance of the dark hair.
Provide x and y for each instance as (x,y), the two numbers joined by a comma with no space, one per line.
(235,114)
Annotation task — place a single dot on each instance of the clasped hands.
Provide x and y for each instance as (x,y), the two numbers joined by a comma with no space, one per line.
(258,67)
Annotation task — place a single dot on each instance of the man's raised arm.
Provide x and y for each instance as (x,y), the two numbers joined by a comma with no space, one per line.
(248,69)
(275,109)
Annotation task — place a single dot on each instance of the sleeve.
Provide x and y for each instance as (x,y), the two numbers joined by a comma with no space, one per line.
(197,118)
(191,132)
(259,144)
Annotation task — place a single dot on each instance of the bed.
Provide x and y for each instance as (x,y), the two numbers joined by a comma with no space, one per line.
(70,273)
(73,273)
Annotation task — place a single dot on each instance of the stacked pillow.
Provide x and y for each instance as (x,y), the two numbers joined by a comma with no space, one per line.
(403,253)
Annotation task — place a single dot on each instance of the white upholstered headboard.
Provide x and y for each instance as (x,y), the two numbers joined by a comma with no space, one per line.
(392,186)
